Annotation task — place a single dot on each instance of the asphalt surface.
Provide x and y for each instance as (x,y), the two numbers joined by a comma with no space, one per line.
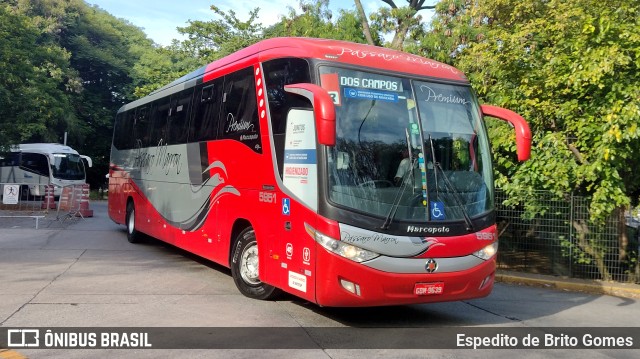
(75,272)
(53,219)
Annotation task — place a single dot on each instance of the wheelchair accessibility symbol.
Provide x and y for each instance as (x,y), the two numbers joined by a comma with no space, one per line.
(437,211)
(286,206)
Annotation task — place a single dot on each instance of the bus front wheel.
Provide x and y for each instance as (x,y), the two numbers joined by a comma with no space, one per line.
(244,268)
(133,236)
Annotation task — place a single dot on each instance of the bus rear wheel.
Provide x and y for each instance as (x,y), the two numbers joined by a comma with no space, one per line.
(133,236)
(245,266)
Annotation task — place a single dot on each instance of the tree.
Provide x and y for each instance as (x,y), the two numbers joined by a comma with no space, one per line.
(365,24)
(399,20)
(318,21)
(66,68)
(211,40)
(35,77)
(572,70)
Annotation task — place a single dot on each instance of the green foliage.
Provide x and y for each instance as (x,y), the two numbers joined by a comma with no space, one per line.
(571,69)
(34,79)
(316,20)
(66,67)
(211,40)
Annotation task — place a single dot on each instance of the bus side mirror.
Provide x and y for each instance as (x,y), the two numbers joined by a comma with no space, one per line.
(323,109)
(523,133)
(88,159)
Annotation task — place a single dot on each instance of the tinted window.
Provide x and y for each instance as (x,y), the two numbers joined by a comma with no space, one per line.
(9,159)
(35,162)
(206,111)
(240,111)
(158,121)
(279,73)
(141,127)
(178,122)
(123,132)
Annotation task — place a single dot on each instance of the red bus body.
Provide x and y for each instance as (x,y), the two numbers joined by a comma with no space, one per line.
(200,194)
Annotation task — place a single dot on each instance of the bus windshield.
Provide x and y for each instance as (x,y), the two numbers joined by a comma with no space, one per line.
(407,149)
(67,166)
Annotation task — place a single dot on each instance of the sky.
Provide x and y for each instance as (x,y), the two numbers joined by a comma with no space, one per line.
(159,18)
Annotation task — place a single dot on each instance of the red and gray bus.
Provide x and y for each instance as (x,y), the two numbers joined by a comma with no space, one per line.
(345,174)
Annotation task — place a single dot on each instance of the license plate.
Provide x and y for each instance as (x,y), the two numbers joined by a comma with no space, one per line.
(429,288)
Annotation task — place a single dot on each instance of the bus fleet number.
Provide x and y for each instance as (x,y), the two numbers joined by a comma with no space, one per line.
(267,197)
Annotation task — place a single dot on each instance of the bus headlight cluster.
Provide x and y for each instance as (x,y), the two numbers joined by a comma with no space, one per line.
(487,252)
(341,248)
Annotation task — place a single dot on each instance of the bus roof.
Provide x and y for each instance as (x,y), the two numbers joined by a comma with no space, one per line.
(339,52)
(44,148)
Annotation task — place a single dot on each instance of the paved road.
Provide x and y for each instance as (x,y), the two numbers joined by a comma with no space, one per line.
(86,274)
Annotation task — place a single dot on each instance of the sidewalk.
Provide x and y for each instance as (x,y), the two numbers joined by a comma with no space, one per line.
(597,287)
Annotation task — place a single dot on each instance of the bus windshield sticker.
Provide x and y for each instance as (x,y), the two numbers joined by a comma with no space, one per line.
(382,83)
(370,95)
(430,95)
(330,83)
(437,211)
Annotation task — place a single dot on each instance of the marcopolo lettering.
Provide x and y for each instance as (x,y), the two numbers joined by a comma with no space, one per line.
(429,230)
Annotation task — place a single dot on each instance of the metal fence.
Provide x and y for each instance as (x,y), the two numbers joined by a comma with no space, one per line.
(27,201)
(562,241)
(43,203)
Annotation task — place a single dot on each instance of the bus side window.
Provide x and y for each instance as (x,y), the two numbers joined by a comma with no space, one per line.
(278,73)
(9,159)
(159,113)
(206,111)
(240,110)
(35,162)
(178,117)
(123,133)
(141,127)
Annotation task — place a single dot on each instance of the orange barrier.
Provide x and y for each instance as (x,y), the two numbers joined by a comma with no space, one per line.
(75,200)
(84,202)
(48,201)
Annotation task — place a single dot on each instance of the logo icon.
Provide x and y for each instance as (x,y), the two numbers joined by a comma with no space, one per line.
(437,211)
(286,206)
(289,250)
(306,255)
(431,265)
(23,338)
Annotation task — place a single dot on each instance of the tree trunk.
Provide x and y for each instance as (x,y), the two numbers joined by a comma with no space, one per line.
(365,22)
(582,229)
(398,38)
(623,239)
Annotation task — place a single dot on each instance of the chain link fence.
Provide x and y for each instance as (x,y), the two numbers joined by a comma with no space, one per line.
(561,241)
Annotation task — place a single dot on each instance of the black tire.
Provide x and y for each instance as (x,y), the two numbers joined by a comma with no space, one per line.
(133,236)
(244,268)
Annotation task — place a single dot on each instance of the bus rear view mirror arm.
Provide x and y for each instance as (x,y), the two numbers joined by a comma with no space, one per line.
(323,108)
(88,159)
(523,133)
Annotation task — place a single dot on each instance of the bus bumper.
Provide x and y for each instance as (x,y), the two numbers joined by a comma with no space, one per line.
(344,283)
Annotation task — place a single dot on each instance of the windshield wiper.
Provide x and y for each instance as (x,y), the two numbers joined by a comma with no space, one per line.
(456,196)
(396,199)
(449,185)
(403,185)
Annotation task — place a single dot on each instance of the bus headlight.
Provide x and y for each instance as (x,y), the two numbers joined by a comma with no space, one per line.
(487,252)
(341,248)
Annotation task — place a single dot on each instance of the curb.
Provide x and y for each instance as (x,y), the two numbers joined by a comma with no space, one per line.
(624,290)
